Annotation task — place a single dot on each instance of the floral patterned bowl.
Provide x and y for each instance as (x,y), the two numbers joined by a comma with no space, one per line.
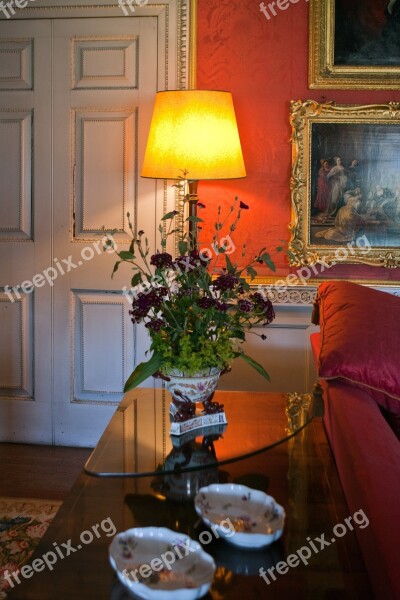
(242,516)
(156,563)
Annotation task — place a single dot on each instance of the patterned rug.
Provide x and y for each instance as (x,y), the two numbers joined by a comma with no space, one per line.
(23,521)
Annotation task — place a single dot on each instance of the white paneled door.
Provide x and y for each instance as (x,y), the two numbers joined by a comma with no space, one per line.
(75,105)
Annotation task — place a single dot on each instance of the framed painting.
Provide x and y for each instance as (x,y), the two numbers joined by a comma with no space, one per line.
(354,45)
(345,184)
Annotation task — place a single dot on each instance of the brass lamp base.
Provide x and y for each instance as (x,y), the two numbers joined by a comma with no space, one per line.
(193,199)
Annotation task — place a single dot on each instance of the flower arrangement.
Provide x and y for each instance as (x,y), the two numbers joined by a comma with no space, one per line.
(197,313)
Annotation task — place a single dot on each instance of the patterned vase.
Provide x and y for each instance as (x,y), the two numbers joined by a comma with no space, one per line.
(196,388)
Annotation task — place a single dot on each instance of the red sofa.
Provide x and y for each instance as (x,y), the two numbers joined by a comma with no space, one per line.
(362,415)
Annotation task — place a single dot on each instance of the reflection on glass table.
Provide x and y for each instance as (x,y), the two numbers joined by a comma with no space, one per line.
(137,442)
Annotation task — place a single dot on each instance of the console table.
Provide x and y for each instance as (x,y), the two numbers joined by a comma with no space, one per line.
(138,476)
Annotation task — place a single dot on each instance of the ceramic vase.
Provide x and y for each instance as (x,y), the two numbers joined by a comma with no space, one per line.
(196,388)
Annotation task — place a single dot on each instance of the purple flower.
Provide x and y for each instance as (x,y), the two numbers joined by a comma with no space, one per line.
(225,282)
(161,291)
(155,324)
(264,306)
(145,302)
(184,264)
(189,263)
(138,312)
(196,256)
(206,302)
(161,260)
(201,205)
(222,306)
(245,305)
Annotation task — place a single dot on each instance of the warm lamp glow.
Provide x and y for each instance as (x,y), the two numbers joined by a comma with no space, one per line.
(193,131)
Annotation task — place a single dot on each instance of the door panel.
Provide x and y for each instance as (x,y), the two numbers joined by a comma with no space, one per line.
(25,223)
(101,374)
(98,104)
(15,160)
(105,171)
(16,60)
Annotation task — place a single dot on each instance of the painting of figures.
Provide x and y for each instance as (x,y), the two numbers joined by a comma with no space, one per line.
(345,183)
(355,174)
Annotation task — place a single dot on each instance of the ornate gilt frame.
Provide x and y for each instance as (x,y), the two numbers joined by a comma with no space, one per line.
(323,73)
(302,251)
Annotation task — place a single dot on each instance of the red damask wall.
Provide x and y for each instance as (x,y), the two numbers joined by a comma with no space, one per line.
(263,62)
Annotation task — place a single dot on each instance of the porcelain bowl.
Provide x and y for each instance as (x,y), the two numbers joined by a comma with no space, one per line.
(156,563)
(241,515)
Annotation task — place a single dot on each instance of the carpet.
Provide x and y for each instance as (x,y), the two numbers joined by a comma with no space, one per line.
(23,521)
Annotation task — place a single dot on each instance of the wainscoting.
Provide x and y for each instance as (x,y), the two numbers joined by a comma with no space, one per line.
(286,353)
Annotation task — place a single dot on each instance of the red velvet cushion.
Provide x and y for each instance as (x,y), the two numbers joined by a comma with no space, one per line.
(360,336)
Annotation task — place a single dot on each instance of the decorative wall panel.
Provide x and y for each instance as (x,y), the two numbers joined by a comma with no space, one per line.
(15,175)
(105,144)
(285,354)
(16,336)
(102,346)
(105,63)
(16,65)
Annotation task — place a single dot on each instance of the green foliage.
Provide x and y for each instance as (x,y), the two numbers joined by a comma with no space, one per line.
(193,353)
(143,371)
(259,368)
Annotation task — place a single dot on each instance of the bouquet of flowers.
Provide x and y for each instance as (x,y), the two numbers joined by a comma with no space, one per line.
(197,311)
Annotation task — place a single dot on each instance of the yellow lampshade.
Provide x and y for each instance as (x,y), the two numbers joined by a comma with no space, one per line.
(193,131)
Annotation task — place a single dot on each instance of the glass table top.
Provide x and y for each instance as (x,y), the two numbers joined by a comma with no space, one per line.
(137,442)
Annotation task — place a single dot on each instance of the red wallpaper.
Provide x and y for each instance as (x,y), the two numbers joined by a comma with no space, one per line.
(263,62)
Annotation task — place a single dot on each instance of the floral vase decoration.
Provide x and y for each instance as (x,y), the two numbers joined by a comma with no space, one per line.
(196,310)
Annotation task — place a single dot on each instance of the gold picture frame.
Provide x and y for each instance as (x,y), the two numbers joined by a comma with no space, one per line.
(365,59)
(345,184)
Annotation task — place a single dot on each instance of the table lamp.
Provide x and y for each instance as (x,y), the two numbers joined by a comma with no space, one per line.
(193,134)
